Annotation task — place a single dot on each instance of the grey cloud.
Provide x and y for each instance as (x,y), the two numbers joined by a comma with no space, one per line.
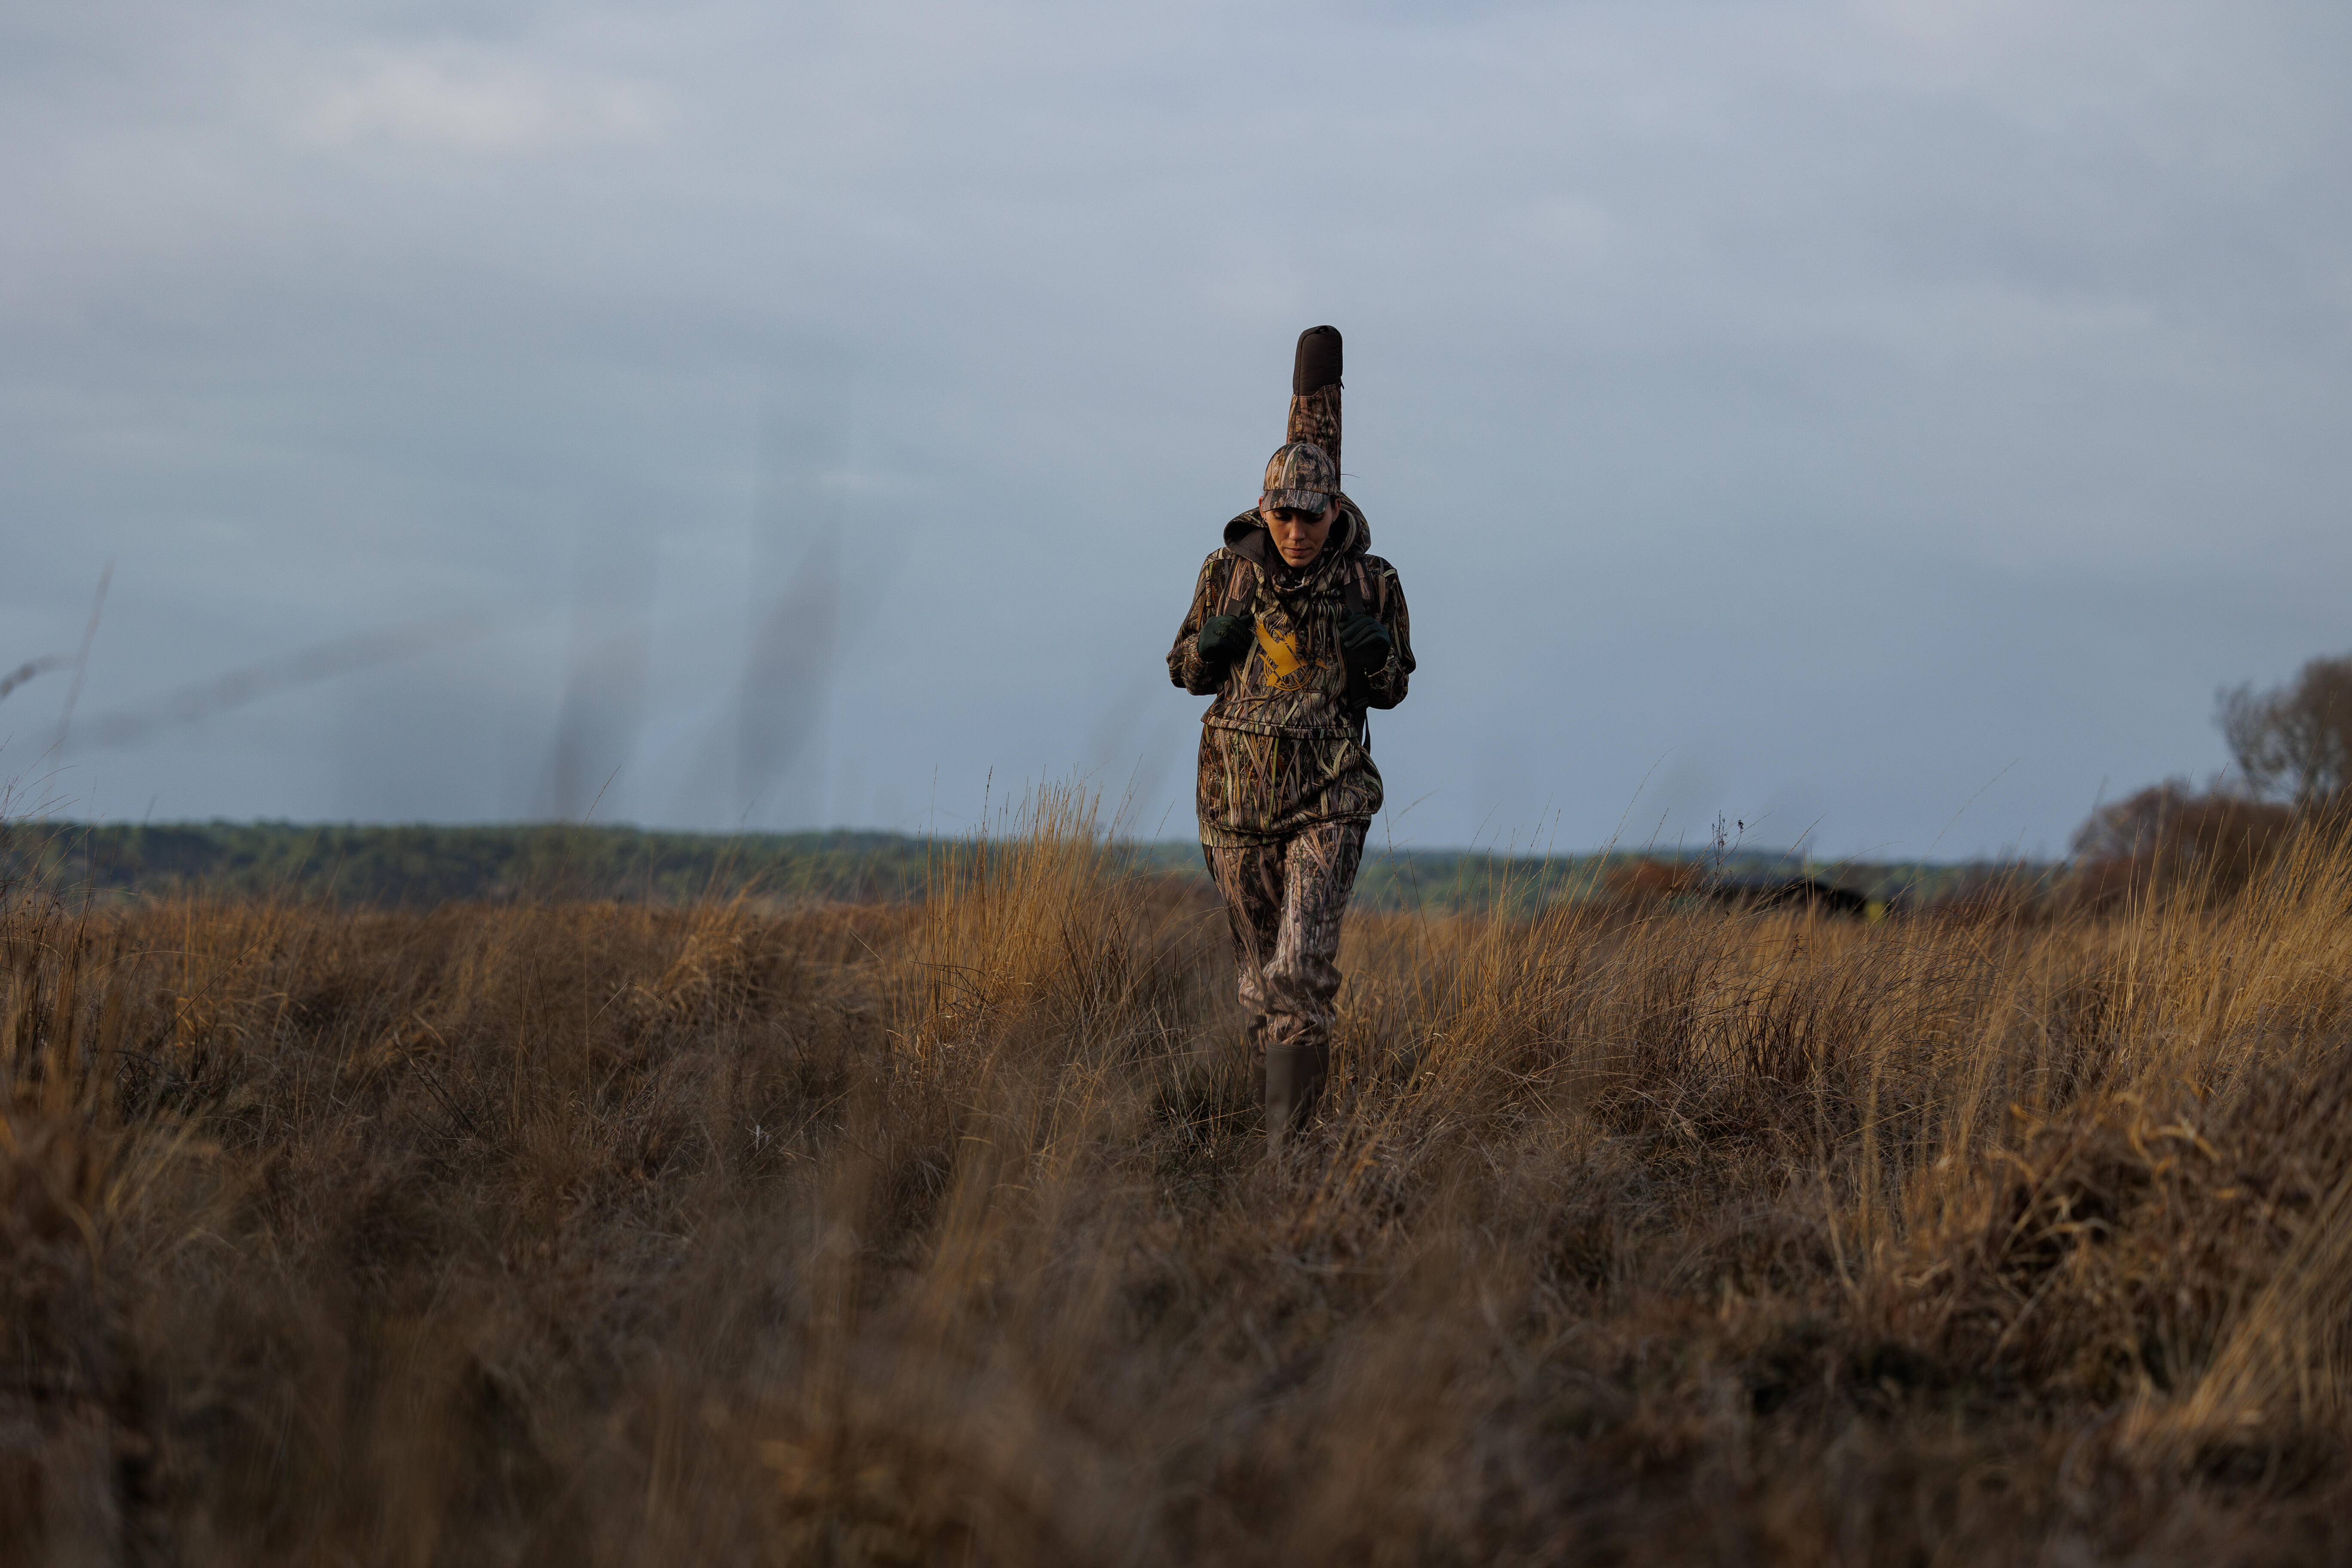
(1876,393)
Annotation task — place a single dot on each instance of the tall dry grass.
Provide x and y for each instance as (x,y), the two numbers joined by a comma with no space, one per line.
(943,1234)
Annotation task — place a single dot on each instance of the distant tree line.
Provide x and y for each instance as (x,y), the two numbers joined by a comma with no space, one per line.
(425,866)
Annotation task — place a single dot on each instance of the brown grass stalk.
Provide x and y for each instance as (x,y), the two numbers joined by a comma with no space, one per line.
(943,1233)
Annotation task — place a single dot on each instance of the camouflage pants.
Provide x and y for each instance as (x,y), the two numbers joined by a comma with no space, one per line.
(1284,901)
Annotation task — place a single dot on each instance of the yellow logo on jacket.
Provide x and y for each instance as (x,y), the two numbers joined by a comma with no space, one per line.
(1287,668)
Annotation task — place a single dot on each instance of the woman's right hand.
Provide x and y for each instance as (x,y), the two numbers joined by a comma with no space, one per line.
(1224,639)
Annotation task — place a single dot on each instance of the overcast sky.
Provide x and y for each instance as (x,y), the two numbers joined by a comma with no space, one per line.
(1885,420)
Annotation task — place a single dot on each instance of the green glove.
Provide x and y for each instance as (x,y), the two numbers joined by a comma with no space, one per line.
(1224,639)
(1365,644)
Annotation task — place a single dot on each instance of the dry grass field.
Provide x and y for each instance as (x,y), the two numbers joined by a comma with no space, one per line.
(943,1234)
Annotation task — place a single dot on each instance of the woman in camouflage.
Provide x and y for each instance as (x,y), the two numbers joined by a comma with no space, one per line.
(1298,630)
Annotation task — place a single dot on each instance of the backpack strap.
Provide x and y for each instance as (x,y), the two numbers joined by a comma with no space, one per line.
(1240,587)
(1356,599)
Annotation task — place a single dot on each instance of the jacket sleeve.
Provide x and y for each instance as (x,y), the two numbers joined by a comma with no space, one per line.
(1385,687)
(1185,666)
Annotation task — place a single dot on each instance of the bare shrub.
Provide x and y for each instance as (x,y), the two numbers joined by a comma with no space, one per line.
(2174,840)
(2294,742)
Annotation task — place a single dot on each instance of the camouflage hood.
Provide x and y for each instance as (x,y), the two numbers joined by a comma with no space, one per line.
(1351,536)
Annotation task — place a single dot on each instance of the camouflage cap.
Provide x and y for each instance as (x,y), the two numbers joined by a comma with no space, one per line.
(1300,476)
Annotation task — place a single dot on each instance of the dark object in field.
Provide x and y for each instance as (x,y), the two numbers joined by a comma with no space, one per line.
(1807,891)
(1645,882)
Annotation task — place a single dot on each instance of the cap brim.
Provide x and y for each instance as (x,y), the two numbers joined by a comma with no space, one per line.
(1295,500)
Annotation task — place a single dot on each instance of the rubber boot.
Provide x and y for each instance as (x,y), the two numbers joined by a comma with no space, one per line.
(1294,1083)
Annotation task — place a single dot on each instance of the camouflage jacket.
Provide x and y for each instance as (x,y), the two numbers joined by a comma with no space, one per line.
(1283,745)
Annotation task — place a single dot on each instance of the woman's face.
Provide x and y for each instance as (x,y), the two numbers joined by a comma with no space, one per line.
(1299,535)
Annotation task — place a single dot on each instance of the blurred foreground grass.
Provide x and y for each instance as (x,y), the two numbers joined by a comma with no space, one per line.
(939,1233)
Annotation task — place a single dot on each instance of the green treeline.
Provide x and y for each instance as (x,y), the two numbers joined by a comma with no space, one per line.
(418,866)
